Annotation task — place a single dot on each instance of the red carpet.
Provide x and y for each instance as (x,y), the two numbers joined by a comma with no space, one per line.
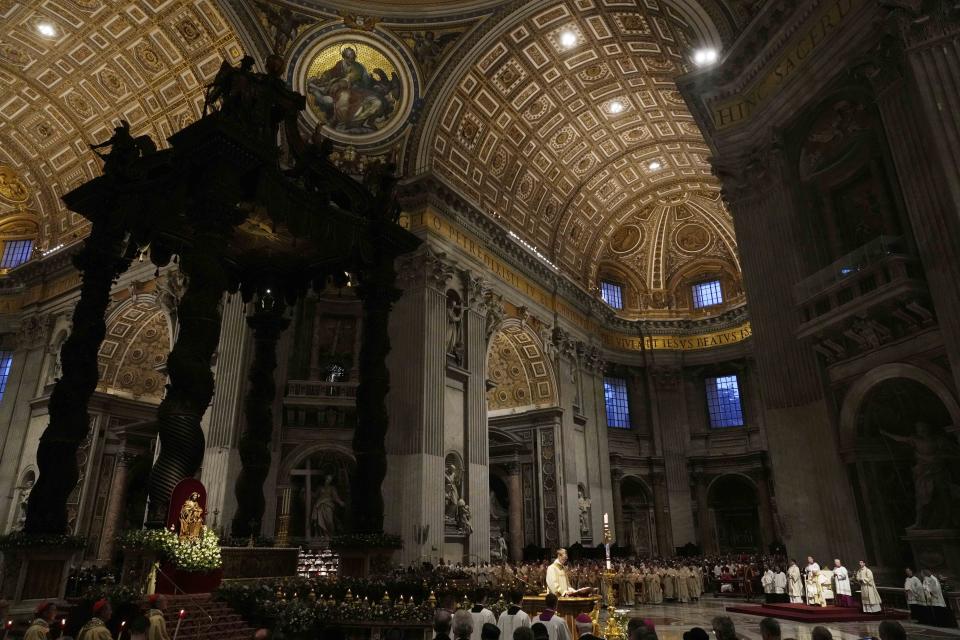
(815,615)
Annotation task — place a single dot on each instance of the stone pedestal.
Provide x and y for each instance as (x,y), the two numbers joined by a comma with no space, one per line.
(35,574)
(937,550)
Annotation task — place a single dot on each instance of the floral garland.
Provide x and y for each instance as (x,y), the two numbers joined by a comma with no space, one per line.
(200,555)
(294,605)
(21,540)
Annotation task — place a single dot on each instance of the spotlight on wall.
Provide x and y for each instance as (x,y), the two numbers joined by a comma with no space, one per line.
(705,57)
(654,165)
(568,39)
(616,107)
(46,29)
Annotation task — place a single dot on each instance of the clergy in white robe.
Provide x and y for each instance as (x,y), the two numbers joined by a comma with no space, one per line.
(939,613)
(841,584)
(481,616)
(916,597)
(794,583)
(780,586)
(766,581)
(812,579)
(869,596)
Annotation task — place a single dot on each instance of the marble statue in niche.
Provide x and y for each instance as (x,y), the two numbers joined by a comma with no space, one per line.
(323,515)
(583,503)
(456,511)
(454,333)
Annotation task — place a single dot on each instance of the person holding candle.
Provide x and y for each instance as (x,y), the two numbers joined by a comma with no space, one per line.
(39,629)
(96,627)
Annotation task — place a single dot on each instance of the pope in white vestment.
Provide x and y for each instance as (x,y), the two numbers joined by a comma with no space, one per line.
(826,583)
(869,595)
(794,583)
(557,583)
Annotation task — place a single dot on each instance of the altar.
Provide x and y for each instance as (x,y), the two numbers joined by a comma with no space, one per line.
(567,608)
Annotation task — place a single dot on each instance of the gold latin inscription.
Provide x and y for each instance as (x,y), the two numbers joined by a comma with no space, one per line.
(735,110)
(438,225)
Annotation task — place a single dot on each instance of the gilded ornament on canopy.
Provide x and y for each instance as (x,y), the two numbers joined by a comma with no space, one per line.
(12,187)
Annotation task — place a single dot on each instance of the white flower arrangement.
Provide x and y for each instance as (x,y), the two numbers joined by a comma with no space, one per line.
(200,555)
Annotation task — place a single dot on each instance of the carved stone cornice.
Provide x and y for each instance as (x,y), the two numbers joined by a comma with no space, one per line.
(474,291)
(750,177)
(34,331)
(431,191)
(425,267)
(923,23)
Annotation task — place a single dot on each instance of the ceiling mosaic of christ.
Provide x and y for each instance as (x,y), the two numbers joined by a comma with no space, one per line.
(354,88)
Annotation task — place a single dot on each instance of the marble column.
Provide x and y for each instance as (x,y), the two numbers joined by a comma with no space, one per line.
(672,422)
(661,508)
(25,372)
(414,487)
(916,85)
(797,417)
(515,513)
(619,526)
(705,533)
(478,443)
(116,502)
(765,509)
(221,460)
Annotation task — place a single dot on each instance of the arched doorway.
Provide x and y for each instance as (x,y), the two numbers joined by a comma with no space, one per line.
(732,499)
(883,466)
(637,516)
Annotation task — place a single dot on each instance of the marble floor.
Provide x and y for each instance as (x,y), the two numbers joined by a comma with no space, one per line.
(672,620)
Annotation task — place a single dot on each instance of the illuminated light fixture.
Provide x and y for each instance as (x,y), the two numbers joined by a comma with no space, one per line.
(46,29)
(705,57)
(616,107)
(568,39)
(654,165)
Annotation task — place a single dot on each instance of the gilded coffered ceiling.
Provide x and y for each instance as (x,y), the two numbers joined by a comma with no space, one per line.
(71,69)
(559,119)
(581,145)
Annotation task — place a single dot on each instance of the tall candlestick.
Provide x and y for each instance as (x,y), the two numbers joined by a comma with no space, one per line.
(183,614)
(606,519)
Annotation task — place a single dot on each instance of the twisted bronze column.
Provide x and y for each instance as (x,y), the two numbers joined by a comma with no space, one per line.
(267,324)
(191,381)
(102,259)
